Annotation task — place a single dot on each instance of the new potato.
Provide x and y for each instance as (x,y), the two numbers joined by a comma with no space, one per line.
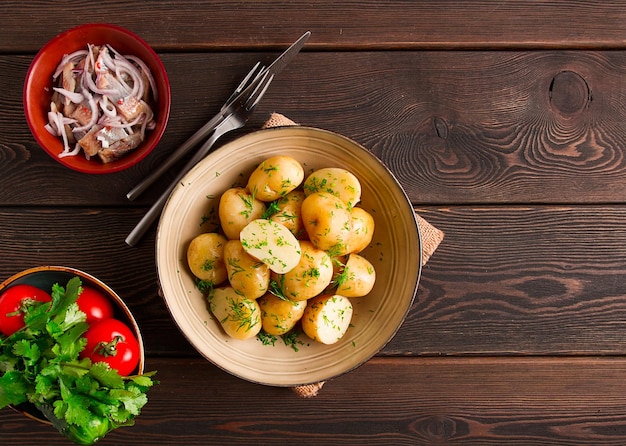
(308,246)
(327,221)
(275,177)
(237,208)
(310,276)
(205,257)
(362,230)
(239,316)
(336,181)
(327,317)
(246,274)
(279,316)
(271,243)
(289,213)
(357,278)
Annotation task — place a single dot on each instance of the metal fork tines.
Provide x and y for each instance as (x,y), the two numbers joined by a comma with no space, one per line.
(253,76)
(239,114)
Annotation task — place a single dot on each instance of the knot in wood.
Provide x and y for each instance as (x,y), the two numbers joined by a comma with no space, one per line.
(569,93)
(441,127)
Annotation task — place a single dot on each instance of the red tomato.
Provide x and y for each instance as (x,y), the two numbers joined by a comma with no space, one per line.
(95,305)
(11,303)
(111,341)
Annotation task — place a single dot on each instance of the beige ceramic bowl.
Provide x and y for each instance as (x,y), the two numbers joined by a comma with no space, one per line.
(44,277)
(395,253)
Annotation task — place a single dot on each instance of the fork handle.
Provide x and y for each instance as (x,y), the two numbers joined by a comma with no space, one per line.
(155,211)
(174,157)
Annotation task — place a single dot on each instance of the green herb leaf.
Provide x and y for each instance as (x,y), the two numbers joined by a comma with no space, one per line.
(41,363)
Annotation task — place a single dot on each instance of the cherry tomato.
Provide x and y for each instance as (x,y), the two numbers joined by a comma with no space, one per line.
(95,305)
(111,341)
(12,303)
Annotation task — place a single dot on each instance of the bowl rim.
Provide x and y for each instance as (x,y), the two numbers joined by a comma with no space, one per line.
(165,96)
(184,183)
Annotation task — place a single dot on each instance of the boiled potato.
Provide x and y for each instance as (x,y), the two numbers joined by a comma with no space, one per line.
(271,243)
(328,222)
(335,181)
(357,278)
(278,316)
(310,276)
(362,230)
(205,257)
(327,318)
(239,316)
(275,177)
(237,208)
(246,274)
(288,213)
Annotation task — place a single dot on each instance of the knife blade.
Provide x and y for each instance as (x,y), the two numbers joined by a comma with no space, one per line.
(281,61)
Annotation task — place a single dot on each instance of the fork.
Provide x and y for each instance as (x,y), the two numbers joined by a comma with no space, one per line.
(239,114)
(253,76)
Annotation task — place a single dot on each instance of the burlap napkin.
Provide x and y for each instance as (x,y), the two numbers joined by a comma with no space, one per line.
(431,238)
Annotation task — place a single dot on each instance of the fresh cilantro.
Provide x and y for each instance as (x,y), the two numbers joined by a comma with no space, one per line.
(40,364)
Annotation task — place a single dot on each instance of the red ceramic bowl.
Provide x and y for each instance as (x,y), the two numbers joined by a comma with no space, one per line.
(38,90)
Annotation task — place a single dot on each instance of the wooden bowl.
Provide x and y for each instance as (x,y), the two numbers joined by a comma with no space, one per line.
(38,90)
(44,277)
(395,252)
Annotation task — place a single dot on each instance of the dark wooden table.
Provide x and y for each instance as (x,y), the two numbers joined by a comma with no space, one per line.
(505,122)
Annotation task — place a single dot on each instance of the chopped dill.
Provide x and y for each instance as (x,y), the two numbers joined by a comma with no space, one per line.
(266,338)
(205,286)
(272,209)
(291,340)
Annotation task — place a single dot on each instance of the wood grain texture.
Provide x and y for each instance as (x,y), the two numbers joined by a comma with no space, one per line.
(504,122)
(465,401)
(455,127)
(533,280)
(398,24)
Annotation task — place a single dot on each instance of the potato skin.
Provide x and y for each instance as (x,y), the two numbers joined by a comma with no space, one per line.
(237,208)
(336,181)
(279,316)
(327,221)
(310,276)
(239,316)
(275,177)
(289,213)
(205,257)
(358,277)
(246,274)
(326,318)
(362,230)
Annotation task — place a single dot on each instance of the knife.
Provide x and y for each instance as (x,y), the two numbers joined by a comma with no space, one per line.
(276,67)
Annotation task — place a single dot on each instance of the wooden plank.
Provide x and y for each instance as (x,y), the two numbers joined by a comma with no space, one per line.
(455,127)
(398,401)
(399,24)
(534,280)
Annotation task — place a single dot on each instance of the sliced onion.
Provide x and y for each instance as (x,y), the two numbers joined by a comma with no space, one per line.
(75,97)
(73,152)
(68,57)
(124,66)
(148,73)
(94,115)
(61,128)
(107,107)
